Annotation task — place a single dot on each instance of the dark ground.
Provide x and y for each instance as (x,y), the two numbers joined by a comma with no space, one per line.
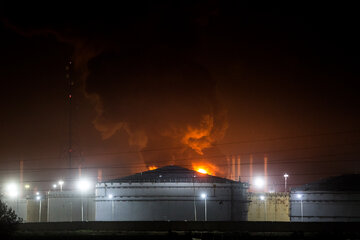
(187,230)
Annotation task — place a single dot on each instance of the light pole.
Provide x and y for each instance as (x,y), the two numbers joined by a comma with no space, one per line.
(263,198)
(83,185)
(39,199)
(286,177)
(48,207)
(195,217)
(112,206)
(204,196)
(299,196)
(61,183)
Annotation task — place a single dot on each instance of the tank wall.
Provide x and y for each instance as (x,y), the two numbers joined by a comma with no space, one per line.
(66,206)
(170,201)
(33,210)
(277,207)
(325,206)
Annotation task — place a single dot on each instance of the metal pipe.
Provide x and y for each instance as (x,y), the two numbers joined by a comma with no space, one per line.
(48,207)
(302,210)
(40,210)
(82,208)
(112,210)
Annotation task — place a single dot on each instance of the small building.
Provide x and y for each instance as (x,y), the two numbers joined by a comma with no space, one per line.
(269,207)
(335,199)
(171,193)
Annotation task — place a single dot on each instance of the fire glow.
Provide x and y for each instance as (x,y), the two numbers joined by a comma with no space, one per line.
(201,170)
(205,168)
(152,167)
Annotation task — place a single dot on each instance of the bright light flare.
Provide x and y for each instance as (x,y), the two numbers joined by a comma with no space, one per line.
(299,196)
(110,196)
(83,185)
(259,182)
(203,195)
(61,182)
(38,198)
(12,190)
(262,197)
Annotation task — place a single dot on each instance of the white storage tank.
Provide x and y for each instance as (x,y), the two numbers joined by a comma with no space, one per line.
(171,193)
(335,199)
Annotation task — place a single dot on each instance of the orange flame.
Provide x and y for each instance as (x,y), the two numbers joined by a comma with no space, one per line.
(152,167)
(205,168)
(201,170)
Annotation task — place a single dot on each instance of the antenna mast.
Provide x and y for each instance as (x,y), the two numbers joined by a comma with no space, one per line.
(69,99)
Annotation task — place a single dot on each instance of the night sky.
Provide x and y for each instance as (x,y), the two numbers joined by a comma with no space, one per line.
(159,83)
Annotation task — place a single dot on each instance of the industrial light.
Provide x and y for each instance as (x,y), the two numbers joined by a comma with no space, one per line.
(83,185)
(203,195)
(54,186)
(27,186)
(38,198)
(61,183)
(262,197)
(286,175)
(12,190)
(110,196)
(37,193)
(259,182)
(299,196)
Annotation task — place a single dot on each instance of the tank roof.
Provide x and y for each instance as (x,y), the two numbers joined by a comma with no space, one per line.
(172,174)
(349,182)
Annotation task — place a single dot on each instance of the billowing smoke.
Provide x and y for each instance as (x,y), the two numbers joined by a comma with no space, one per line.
(159,100)
(150,86)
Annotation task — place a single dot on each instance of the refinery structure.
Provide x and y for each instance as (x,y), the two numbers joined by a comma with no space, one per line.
(174,193)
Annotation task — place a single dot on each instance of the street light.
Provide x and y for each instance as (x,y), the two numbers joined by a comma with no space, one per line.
(12,190)
(300,196)
(83,185)
(204,196)
(61,183)
(286,177)
(54,186)
(111,197)
(262,198)
(38,198)
(259,182)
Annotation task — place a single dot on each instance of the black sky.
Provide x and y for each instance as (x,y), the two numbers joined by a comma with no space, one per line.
(275,79)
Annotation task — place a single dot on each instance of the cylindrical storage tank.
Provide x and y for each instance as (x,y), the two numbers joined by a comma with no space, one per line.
(334,199)
(171,193)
